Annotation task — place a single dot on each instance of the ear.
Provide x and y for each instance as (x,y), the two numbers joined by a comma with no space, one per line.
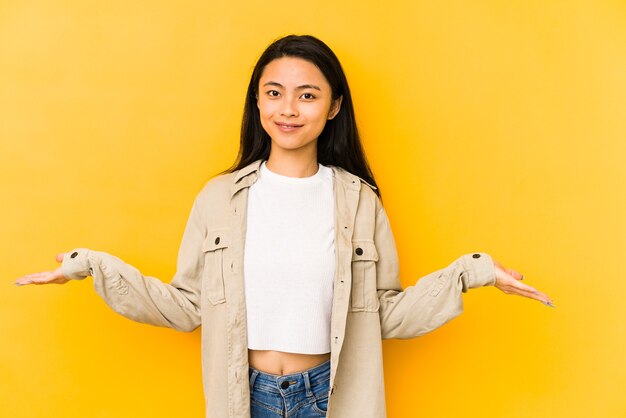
(334,107)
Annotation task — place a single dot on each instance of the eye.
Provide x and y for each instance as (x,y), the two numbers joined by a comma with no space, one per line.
(273,93)
(308,96)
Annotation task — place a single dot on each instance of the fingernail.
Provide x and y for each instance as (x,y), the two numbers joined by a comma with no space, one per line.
(522,278)
(548,303)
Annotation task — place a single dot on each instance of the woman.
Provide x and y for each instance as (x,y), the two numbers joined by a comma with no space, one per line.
(292,320)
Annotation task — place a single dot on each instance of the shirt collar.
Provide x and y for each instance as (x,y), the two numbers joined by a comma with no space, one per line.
(247,175)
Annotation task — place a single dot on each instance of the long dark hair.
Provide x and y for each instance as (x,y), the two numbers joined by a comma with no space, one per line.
(339,143)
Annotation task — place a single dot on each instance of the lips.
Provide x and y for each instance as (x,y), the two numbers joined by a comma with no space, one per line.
(287,127)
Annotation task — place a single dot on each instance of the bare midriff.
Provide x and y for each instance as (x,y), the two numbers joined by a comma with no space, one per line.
(281,363)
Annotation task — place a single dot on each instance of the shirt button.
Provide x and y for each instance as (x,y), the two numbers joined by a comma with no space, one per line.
(285,384)
(217,240)
(476,256)
(359,251)
(74,254)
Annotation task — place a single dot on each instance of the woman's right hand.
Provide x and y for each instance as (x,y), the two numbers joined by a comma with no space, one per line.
(45,277)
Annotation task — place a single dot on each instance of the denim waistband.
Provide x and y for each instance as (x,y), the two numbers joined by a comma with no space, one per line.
(300,381)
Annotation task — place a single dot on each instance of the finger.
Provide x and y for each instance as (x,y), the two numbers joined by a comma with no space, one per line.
(509,285)
(541,297)
(33,275)
(59,257)
(531,291)
(38,275)
(510,289)
(52,281)
(526,292)
(42,279)
(29,278)
(55,276)
(521,289)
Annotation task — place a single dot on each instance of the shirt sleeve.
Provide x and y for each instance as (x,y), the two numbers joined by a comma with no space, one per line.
(434,299)
(143,298)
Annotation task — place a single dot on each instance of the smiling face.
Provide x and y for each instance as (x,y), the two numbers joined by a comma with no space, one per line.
(295,102)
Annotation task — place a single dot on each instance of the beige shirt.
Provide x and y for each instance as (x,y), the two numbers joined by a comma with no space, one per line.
(208,289)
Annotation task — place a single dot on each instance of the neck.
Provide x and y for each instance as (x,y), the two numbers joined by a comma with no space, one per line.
(290,165)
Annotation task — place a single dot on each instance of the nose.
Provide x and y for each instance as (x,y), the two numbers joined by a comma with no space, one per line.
(288,107)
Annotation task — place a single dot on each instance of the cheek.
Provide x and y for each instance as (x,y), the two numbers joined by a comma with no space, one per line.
(265,117)
(265,123)
(266,109)
(262,109)
(321,114)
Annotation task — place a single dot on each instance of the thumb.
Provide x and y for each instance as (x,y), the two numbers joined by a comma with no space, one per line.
(59,257)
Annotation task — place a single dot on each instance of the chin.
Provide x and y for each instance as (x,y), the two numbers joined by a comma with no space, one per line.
(291,145)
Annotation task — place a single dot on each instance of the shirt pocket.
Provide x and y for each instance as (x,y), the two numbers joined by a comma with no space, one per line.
(364,290)
(215,244)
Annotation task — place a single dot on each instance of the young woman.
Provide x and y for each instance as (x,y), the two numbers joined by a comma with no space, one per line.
(288,261)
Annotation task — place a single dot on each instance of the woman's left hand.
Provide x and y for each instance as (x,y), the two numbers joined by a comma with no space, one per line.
(510,282)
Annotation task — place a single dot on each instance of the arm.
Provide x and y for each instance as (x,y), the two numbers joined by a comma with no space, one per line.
(434,300)
(141,298)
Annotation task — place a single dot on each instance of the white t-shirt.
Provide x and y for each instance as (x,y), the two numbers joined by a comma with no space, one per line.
(289,262)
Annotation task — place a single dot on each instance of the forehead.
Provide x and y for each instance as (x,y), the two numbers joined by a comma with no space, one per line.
(293,71)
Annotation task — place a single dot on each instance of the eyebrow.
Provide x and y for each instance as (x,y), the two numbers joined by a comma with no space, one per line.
(302,87)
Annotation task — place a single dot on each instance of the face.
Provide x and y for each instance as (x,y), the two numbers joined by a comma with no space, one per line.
(294,102)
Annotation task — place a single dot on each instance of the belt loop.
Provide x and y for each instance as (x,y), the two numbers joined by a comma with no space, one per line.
(307,384)
(253,376)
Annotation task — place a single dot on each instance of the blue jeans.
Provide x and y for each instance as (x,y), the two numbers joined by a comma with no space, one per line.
(297,395)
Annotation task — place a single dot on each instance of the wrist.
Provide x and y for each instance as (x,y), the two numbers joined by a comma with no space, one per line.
(75,264)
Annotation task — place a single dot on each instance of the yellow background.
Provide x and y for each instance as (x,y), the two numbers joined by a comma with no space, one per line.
(494,126)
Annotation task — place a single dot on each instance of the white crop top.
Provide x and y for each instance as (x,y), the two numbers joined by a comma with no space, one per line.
(289,262)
